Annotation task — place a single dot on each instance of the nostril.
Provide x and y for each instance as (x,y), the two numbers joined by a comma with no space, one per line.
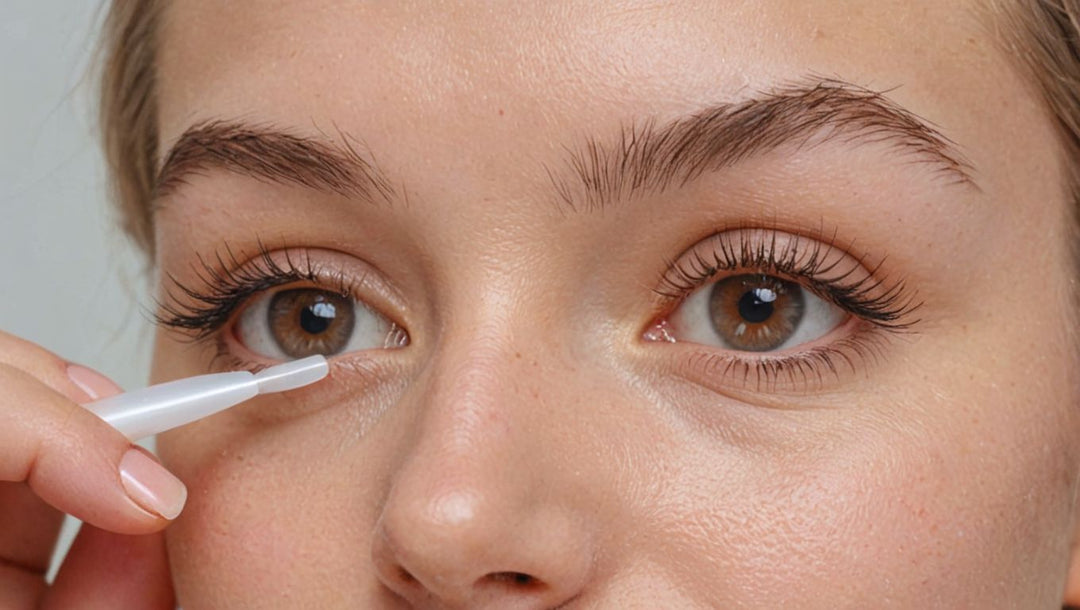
(406,576)
(516,579)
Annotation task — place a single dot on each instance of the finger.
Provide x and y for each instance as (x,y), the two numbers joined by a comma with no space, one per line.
(76,382)
(28,531)
(30,544)
(79,464)
(19,588)
(28,525)
(112,571)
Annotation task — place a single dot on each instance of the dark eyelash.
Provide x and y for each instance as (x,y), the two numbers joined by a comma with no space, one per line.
(228,285)
(885,303)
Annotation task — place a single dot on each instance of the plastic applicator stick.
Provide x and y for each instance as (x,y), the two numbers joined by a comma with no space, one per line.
(157,408)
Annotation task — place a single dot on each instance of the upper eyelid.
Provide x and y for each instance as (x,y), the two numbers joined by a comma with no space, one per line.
(221,290)
(209,306)
(760,254)
(801,259)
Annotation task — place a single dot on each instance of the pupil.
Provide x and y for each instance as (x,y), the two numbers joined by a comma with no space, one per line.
(756,306)
(317,317)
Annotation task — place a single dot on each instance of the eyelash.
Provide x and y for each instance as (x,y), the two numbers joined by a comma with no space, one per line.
(869,298)
(886,305)
(819,266)
(230,284)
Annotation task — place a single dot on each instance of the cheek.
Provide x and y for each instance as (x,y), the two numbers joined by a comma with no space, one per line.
(276,513)
(965,509)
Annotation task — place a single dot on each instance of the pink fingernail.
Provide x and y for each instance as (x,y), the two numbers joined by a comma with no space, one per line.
(150,486)
(94,384)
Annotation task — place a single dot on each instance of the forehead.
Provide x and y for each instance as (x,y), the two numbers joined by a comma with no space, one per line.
(455,67)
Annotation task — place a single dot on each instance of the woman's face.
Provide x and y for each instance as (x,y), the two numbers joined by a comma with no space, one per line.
(657,305)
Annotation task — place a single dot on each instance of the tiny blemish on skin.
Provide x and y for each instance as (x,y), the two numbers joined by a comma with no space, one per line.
(501,112)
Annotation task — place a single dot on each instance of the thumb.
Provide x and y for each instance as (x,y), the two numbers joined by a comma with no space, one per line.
(113,571)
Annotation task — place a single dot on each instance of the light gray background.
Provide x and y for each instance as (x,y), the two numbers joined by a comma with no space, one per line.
(70,281)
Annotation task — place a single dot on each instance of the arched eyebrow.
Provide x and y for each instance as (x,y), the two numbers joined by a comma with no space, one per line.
(648,158)
(268,153)
(644,157)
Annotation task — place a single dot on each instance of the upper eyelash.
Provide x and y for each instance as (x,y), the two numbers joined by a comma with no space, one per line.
(877,300)
(230,283)
(227,286)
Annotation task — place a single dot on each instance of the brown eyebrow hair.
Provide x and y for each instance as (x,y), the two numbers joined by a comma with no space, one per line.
(649,158)
(643,158)
(267,153)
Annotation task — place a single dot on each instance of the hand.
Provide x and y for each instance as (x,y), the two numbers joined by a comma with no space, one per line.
(55,458)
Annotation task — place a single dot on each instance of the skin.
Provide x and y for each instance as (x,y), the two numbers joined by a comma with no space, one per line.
(528,427)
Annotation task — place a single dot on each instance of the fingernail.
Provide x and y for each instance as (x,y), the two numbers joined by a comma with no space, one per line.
(93,383)
(150,486)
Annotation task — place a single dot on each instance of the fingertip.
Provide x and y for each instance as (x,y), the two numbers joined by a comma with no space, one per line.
(91,472)
(93,384)
(150,486)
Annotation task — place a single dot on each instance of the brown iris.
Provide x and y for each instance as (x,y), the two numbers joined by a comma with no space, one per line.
(306,321)
(755,313)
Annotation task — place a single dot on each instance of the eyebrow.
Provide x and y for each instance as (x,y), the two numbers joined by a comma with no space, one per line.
(648,158)
(644,157)
(264,152)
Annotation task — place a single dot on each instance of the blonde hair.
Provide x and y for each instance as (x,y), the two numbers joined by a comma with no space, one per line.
(128,119)
(1044,35)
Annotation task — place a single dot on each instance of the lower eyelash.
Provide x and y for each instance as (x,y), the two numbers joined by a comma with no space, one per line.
(817,266)
(803,371)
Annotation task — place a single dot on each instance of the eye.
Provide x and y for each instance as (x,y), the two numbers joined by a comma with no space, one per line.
(754,313)
(299,322)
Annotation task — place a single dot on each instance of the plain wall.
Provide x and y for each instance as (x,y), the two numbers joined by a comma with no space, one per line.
(70,281)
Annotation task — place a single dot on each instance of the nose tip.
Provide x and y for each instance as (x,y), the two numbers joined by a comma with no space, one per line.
(458,550)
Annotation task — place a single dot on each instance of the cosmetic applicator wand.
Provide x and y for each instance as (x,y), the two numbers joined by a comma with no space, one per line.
(157,408)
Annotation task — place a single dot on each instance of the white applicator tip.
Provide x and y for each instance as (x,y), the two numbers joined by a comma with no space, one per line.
(162,407)
(292,375)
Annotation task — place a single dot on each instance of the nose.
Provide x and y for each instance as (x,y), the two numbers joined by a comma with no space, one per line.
(485,509)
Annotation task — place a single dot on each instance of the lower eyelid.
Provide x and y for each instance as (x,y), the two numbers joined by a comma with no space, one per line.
(361,380)
(849,353)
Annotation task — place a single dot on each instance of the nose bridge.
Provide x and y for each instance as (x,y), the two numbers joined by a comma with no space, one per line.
(475,381)
(484,505)
(494,382)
